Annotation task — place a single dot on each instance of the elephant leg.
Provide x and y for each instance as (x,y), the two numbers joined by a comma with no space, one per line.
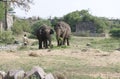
(68,41)
(58,41)
(49,42)
(45,44)
(40,44)
(64,41)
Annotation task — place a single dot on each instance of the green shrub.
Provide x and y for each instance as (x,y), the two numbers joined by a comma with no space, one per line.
(20,26)
(32,36)
(36,25)
(17,29)
(115,32)
(6,37)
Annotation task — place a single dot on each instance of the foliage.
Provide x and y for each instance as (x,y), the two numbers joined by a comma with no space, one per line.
(72,19)
(36,25)
(107,44)
(100,23)
(55,20)
(115,32)
(1,11)
(115,23)
(70,61)
(25,26)
(20,26)
(75,17)
(24,4)
(6,37)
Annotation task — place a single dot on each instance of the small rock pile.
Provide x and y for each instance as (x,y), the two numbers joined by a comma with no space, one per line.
(35,73)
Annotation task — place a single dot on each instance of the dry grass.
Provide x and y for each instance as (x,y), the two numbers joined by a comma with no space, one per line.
(33,54)
(77,61)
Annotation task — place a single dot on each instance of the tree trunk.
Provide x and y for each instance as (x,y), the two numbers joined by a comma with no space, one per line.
(6,24)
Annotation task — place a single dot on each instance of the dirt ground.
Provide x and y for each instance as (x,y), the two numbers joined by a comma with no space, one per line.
(93,57)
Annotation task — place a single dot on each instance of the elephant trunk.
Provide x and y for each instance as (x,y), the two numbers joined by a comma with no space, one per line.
(59,37)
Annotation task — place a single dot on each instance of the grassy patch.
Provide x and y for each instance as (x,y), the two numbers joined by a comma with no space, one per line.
(73,67)
(109,44)
(104,44)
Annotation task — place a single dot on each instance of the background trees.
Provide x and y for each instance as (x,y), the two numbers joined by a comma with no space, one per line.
(38,23)
(20,26)
(26,25)
(1,11)
(24,4)
(84,16)
(115,32)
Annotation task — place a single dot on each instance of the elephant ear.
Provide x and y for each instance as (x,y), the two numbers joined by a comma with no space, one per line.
(51,31)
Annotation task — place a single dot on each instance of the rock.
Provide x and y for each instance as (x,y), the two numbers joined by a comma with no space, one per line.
(49,76)
(2,74)
(88,44)
(15,74)
(58,75)
(37,72)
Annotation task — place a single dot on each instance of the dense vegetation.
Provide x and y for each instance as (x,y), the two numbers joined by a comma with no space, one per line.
(20,26)
(75,67)
(1,11)
(75,17)
(115,32)
(38,23)
(30,25)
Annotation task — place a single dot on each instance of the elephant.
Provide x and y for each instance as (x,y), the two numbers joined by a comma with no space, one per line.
(44,36)
(63,32)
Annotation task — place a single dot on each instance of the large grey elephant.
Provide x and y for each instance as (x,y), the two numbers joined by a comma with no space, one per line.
(63,32)
(44,36)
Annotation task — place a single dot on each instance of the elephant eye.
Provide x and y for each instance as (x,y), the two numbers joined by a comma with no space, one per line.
(59,25)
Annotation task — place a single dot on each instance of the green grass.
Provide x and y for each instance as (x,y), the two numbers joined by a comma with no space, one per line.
(73,68)
(108,44)
(104,44)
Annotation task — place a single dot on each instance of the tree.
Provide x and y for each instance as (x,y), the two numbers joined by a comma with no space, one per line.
(1,11)
(20,26)
(55,20)
(74,17)
(25,4)
(38,24)
(115,32)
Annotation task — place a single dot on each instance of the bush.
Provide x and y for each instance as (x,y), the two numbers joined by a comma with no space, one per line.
(17,29)
(6,37)
(32,36)
(115,32)
(20,26)
(36,25)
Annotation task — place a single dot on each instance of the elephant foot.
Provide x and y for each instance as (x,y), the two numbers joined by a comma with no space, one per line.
(51,46)
(40,47)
